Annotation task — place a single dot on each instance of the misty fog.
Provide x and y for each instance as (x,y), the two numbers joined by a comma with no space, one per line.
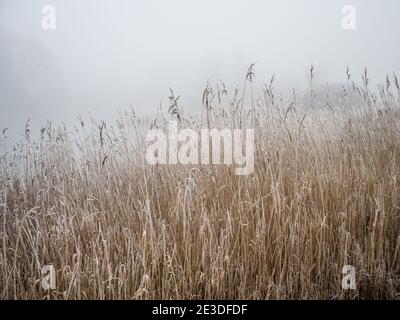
(106,55)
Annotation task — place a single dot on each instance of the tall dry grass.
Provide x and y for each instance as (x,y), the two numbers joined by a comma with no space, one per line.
(324,194)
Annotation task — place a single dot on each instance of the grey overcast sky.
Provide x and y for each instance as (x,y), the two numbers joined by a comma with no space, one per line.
(105,55)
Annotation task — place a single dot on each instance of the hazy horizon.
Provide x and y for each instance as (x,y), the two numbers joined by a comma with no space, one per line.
(104,56)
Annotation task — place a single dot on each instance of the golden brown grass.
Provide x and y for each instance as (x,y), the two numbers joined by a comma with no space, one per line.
(324,193)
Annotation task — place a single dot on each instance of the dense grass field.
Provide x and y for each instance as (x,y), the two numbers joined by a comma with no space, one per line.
(325,192)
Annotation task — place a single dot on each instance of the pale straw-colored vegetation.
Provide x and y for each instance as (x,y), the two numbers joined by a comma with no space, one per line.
(325,193)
